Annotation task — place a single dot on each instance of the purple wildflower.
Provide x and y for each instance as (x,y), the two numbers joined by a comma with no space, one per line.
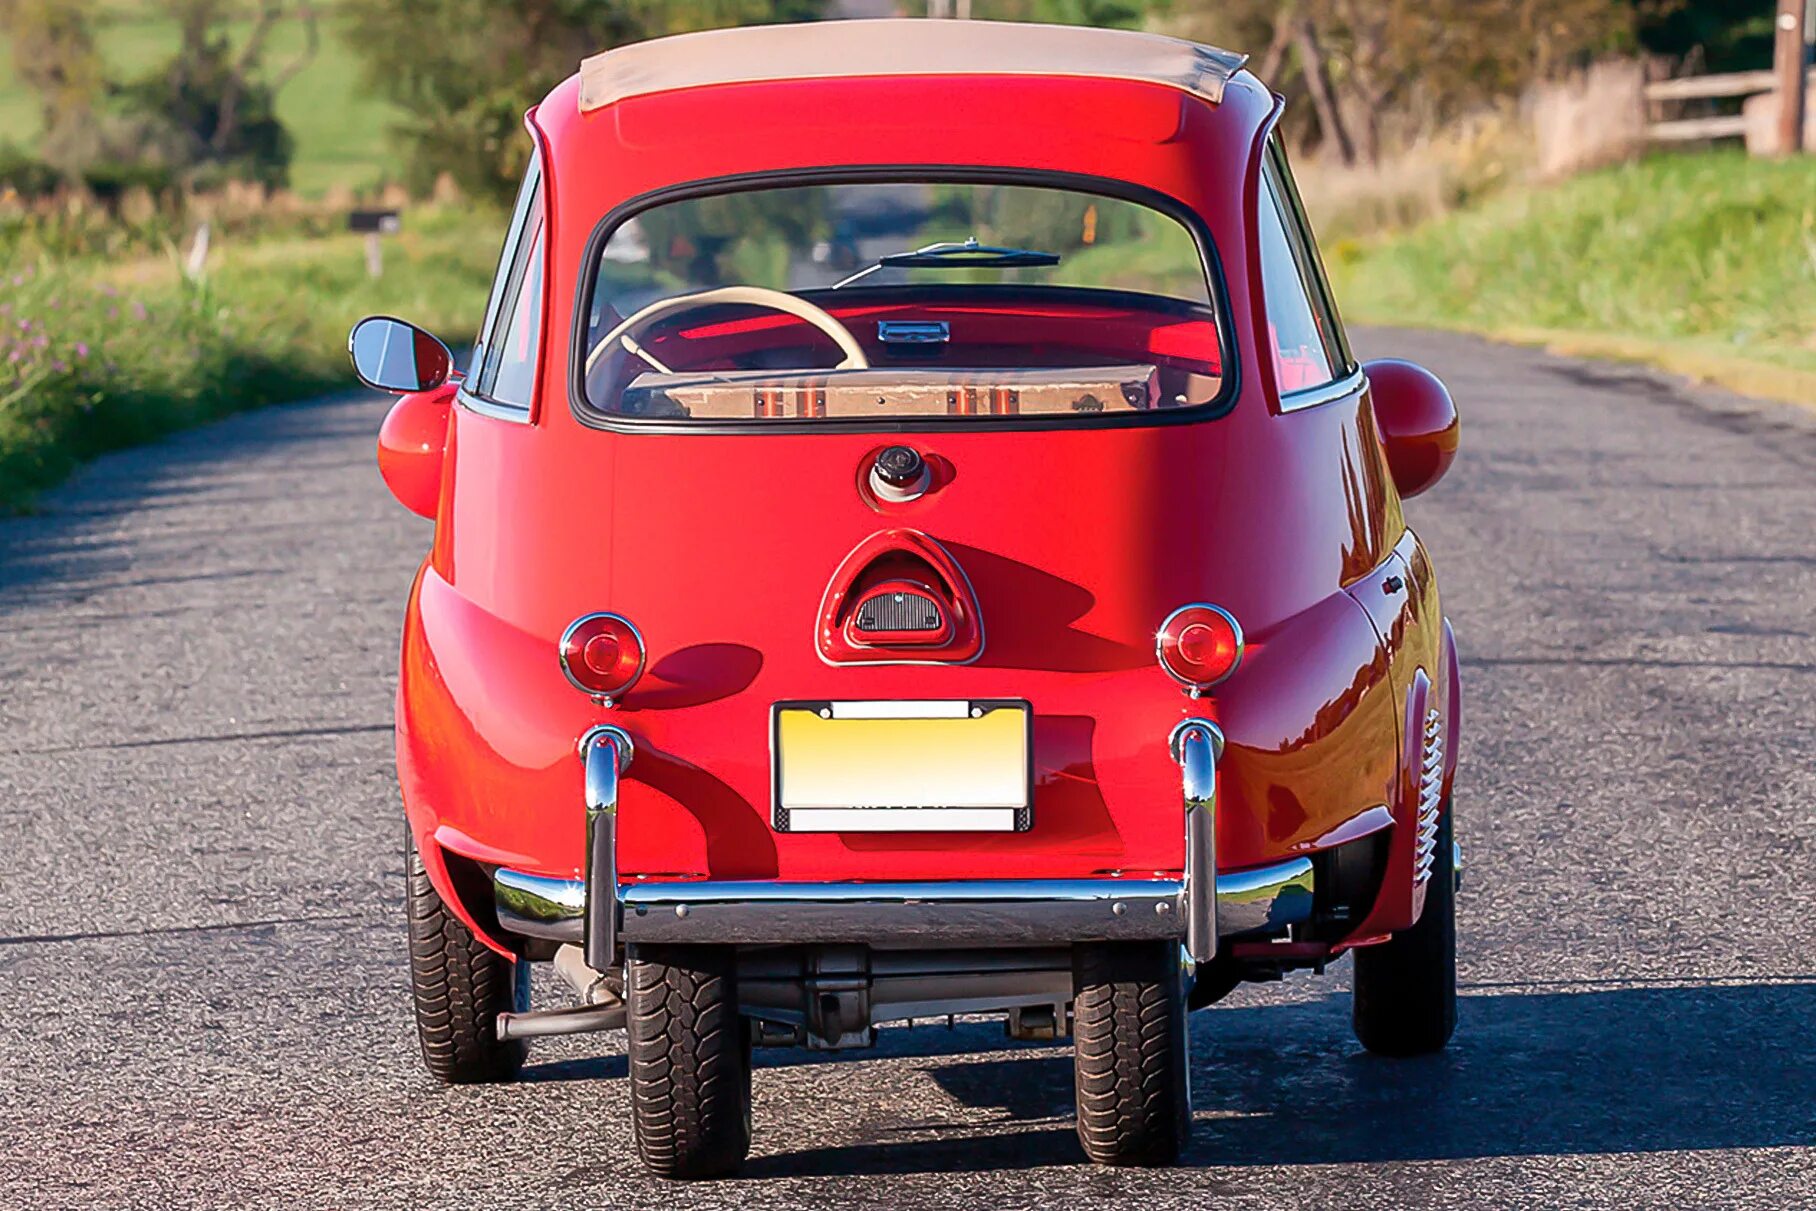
(138,310)
(81,349)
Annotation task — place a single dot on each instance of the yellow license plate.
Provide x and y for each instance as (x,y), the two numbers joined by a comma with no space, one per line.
(961,765)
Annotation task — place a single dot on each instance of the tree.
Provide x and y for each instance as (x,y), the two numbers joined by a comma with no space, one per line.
(464,71)
(55,55)
(1423,62)
(205,112)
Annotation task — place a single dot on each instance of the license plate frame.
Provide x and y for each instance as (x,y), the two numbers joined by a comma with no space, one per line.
(808,800)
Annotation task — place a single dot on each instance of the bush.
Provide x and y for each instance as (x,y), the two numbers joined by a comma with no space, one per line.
(89,363)
(25,174)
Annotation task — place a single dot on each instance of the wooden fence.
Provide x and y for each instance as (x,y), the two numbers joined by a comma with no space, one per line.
(1703,88)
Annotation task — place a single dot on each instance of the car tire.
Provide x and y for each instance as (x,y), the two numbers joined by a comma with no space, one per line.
(689,1060)
(1404,1000)
(1129,1054)
(460,986)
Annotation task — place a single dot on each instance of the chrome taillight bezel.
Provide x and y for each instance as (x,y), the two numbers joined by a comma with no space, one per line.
(1191,685)
(603,697)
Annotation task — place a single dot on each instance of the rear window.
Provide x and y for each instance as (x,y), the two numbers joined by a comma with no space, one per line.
(887,302)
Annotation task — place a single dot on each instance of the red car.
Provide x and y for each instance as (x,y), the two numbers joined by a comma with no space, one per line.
(912,540)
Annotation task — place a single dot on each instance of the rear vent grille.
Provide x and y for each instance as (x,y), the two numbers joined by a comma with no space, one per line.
(1431,792)
(899,612)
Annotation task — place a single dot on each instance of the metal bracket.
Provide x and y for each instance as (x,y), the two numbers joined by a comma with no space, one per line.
(607,752)
(1035,1023)
(1197,744)
(838,999)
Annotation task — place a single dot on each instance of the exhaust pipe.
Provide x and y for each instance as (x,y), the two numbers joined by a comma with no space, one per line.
(602,1008)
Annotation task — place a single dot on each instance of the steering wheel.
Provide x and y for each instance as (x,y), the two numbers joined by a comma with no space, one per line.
(755,296)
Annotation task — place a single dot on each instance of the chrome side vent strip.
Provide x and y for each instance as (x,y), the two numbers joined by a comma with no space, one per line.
(1431,791)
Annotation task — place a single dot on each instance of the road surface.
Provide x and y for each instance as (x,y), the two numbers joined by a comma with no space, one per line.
(202,992)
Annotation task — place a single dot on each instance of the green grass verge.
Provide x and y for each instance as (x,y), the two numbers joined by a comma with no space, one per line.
(339,128)
(95,355)
(1704,264)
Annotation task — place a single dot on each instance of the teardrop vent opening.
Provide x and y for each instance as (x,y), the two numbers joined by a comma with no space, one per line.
(899,596)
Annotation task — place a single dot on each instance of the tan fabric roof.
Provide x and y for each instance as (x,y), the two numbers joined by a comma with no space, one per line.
(901,47)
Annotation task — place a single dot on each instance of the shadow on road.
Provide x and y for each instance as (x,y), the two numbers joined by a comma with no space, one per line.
(229,473)
(1633,1069)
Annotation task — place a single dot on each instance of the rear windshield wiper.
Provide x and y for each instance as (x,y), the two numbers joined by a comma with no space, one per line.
(968,253)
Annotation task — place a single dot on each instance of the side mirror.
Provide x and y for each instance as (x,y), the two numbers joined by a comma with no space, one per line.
(412,445)
(393,356)
(1417,420)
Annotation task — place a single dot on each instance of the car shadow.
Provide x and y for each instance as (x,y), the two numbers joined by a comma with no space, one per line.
(1535,1069)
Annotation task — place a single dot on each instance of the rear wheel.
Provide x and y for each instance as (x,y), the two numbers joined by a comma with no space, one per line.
(1405,995)
(689,1060)
(1129,1057)
(460,986)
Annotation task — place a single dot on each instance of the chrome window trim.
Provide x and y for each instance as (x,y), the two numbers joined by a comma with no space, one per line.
(520,209)
(529,194)
(1304,243)
(1311,397)
(491,408)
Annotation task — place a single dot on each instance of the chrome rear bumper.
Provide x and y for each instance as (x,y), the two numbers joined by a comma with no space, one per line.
(599,910)
(1003,912)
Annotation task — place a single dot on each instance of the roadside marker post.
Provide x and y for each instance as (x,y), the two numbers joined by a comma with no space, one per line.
(375,223)
(1791,54)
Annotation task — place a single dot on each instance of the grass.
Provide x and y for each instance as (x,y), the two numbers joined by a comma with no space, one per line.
(99,354)
(339,128)
(1703,264)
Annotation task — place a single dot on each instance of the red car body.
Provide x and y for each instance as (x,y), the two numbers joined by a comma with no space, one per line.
(1077,541)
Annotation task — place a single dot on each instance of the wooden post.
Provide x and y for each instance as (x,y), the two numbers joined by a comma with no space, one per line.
(375,256)
(1788,65)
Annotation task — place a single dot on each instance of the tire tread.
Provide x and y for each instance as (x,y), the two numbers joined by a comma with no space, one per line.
(689,1062)
(459,986)
(1129,1056)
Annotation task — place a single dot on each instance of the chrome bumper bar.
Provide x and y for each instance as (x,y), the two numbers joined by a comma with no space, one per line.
(1003,912)
(606,751)
(985,912)
(1198,745)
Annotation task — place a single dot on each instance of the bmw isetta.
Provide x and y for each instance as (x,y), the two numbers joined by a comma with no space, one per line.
(912,540)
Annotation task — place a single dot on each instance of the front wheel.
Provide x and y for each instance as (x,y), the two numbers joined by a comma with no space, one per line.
(1405,994)
(1129,1054)
(689,1060)
(460,986)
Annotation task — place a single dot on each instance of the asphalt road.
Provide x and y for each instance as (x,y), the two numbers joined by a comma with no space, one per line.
(202,991)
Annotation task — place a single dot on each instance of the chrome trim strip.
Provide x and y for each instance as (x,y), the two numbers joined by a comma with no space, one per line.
(484,407)
(985,912)
(1197,744)
(607,751)
(1043,911)
(1336,389)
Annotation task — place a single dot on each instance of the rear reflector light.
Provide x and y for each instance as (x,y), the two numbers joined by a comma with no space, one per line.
(1199,645)
(602,655)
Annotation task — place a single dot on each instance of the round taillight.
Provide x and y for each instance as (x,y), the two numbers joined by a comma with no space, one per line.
(602,654)
(1199,645)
